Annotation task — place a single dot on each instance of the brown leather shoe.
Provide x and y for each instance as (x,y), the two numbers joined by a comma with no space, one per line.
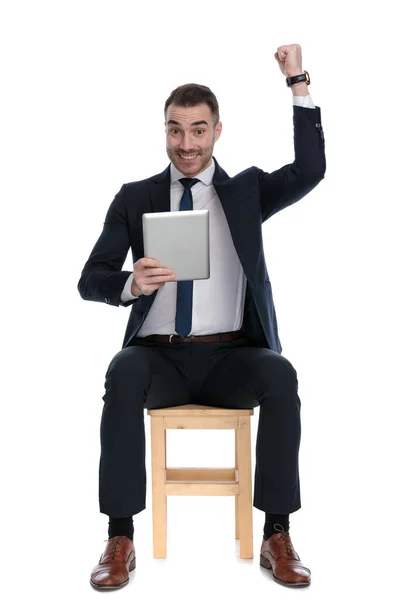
(277,553)
(118,558)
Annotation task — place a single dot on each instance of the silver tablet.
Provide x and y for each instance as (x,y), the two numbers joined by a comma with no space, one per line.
(180,240)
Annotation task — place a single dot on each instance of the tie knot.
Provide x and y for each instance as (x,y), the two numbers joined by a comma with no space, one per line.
(188,183)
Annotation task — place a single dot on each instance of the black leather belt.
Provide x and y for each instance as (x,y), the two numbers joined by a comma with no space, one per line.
(229,336)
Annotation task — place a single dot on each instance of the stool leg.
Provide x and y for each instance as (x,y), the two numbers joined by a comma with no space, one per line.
(245,487)
(159,499)
(237,495)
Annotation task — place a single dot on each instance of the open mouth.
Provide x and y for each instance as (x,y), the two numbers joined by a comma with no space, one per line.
(188,157)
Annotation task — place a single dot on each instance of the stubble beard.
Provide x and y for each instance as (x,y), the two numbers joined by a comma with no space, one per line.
(201,162)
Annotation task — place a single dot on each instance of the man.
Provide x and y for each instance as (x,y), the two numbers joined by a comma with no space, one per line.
(213,342)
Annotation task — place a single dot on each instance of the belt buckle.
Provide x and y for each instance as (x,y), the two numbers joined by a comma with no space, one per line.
(170,338)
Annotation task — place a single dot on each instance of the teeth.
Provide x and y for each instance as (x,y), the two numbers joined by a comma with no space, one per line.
(189,157)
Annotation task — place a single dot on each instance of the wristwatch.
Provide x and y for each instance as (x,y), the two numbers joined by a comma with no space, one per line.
(298,78)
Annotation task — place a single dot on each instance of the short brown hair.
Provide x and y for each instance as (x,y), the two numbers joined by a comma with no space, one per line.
(192,94)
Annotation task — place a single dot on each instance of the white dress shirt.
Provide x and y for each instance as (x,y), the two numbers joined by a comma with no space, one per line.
(226,285)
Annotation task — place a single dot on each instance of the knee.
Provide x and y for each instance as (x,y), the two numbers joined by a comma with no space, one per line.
(280,387)
(128,369)
(284,374)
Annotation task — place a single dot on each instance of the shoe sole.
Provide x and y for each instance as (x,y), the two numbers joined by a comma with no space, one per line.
(264,562)
(106,588)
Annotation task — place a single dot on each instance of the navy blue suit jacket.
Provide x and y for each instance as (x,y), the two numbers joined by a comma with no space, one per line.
(248,199)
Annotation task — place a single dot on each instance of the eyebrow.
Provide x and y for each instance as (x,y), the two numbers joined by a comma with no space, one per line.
(172,122)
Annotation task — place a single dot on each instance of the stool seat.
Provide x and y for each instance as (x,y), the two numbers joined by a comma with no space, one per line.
(198,410)
(190,481)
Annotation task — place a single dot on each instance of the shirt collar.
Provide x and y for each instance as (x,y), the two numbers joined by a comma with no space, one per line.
(205,176)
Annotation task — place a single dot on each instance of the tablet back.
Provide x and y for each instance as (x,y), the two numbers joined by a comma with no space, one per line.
(179,240)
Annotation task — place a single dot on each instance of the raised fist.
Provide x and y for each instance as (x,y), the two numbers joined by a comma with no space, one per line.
(290,60)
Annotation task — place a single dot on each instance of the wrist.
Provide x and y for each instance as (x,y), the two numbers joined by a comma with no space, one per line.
(135,289)
(300,89)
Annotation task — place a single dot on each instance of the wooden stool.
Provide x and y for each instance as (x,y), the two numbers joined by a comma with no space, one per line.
(235,481)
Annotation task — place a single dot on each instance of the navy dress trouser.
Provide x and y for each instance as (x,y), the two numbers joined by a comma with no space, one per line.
(233,374)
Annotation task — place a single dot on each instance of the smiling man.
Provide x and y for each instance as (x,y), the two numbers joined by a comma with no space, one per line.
(191,132)
(212,342)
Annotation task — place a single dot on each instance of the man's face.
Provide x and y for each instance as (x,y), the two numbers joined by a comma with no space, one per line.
(191,136)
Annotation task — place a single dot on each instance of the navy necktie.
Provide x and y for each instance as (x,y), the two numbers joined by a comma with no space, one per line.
(184,298)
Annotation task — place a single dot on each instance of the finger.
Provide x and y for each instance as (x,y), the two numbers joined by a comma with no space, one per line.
(154,271)
(150,262)
(154,286)
(282,54)
(156,279)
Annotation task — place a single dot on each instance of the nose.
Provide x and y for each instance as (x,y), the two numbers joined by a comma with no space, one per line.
(186,142)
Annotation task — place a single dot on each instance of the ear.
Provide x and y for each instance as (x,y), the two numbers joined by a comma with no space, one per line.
(217,131)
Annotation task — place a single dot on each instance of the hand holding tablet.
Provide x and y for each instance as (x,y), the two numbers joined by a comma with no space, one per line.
(149,276)
(179,239)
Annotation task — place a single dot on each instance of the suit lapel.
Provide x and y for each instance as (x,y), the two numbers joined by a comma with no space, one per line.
(237,216)
(223,186)
(160,191)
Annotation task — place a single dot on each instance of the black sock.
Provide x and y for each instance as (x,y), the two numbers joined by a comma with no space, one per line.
(270,521)
(123,526)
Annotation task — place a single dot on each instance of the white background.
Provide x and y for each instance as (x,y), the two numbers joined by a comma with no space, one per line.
(83,89)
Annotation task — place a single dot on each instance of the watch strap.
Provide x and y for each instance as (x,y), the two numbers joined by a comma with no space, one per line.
(298,79)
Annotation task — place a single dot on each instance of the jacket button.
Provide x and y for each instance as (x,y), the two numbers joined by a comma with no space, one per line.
(107,300)
(321,131)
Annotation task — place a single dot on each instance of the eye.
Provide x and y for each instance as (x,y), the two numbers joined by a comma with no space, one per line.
(200,131)
(174,131)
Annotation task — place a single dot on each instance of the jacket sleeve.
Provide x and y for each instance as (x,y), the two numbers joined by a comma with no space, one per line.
(290,183)
(102,279)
